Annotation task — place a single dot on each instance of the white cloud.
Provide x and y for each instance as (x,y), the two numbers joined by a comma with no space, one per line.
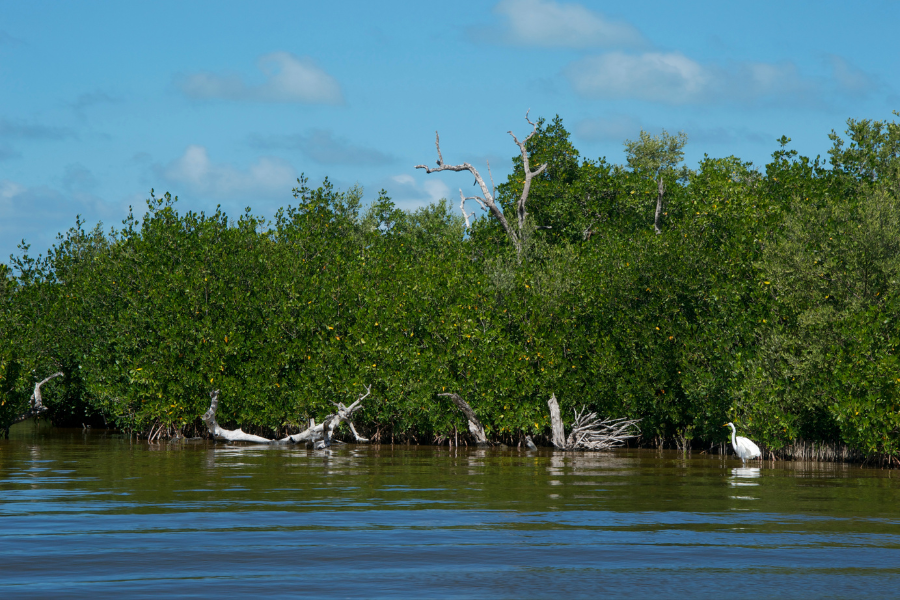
(266,177)
(404,179)
(554,24)
(409,192)
(672,78)
(288,79)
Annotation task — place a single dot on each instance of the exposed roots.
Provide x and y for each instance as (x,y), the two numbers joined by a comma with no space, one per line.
(589,431)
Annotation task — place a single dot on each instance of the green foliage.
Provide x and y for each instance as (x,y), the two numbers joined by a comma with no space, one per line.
(655,154)
(768,299)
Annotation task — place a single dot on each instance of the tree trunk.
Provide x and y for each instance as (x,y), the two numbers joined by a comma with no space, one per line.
(661,190)
(475,426)
(558,433)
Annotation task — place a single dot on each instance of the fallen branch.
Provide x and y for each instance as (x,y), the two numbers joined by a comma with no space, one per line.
(36,405)
(589,431)
(321,435)
(475,426)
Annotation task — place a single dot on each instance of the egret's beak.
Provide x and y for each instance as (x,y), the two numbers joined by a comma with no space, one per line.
(725,425)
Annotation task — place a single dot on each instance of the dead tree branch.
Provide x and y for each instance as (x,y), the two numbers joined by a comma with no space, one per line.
(487,200)
(475,426)
(590,432)
(321,435)
(529,174)
(36,404)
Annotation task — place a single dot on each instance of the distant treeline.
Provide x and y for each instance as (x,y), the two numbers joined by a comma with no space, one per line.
(769,298)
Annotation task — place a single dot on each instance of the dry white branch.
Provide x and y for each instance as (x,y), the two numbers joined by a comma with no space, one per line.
(36,405)
(462,208)
(589,431)
(321,435)
(475,426)
(529,174)
(487,200)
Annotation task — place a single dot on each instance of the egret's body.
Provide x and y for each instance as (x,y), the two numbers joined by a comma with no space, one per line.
(743,447)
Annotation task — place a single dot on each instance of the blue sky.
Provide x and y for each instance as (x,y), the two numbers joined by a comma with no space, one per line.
(228,102)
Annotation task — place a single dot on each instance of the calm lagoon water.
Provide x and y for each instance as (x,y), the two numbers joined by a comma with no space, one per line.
(94,514)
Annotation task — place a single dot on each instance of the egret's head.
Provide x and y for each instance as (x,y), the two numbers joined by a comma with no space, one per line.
(729,424)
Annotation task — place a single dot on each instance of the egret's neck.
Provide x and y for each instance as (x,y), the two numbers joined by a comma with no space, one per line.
(733,431)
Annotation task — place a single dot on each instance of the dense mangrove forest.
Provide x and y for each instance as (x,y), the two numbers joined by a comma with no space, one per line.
(680,297)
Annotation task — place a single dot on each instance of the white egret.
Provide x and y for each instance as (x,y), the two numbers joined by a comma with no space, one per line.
(743,447)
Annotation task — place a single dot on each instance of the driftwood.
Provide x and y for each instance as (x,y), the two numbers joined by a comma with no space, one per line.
(36,405)
(590,432)
(475,426)
(321,435)
(487,200)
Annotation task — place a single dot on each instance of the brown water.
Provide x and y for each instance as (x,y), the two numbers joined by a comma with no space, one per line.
(93,514)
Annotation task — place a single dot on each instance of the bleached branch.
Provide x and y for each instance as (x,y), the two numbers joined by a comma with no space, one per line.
(488,198)
(36,404)
(462,207)
(321,435)
(529,174)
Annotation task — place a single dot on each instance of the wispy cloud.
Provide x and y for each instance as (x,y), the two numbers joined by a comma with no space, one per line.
(616,128)
(7,40)
(91,99)
(288,79)
(323,147)
(619,128)
(267,176)
(32,131)
(78,178)
(38,213)
(850,79)
(8,153)
(673,78)
(549,24)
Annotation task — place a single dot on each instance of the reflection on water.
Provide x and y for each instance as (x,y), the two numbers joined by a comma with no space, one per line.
(92,513)
(745,473)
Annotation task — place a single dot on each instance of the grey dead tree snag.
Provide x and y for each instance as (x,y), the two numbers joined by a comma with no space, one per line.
(321,435)
(590,432)
(475,426)
(36,404)
(487,200)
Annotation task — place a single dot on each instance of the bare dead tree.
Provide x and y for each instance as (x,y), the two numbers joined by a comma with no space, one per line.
(35,405)
(590,432)
(321,435)
(487,200)
(475,426)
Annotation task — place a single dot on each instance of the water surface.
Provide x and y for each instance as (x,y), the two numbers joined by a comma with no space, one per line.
(94,514)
